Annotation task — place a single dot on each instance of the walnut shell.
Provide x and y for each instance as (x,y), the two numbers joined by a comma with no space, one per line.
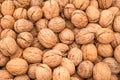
(51,9)
(57,24)
(116,24)
(8,46)
(104,4)
(66,36)
(105,35)
(84,69)
(106,18)
(43,72)
(114,77)
(17,66)
(81,4)
(23,25)
(34,13)
(5,75)
(114,10)
(89,52)
(105,50)
(7,22)
(52,58)
(75,55)
(61,73)
(116,53)
(36,3)
(68,10)
(101,71)
(47,38)
(113,64)
(84,36)
(20,13)
(22,77)
(94,3)
(79,18)
(32,54)
(7,7)
(93,13)
(8,32)
(24,39)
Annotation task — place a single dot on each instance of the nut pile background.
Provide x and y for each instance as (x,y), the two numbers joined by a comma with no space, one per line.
(59,39)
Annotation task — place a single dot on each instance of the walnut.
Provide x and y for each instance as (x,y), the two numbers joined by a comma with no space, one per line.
(94,3)
(116,24)
(22,77)
(116,53)
(104,4)
(36,3)
(5,75)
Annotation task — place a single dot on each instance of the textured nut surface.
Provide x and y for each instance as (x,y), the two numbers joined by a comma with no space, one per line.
(3,60)
(32,54)
(75,55)
(84,69)
(89,52)
(116,24)
(79,18)
(52,58)
(17,66)
(104,3)
(116,53)
(61,73)
(47,38)
(22,77)
(36,3)
(4,74)
(101,71)
(57,24)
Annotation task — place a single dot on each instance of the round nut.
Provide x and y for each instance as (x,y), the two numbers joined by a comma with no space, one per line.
(24,39)
(4,74)
(17,66)
(101,71)
(43,72)
(47,38)
(8,32)
(104,4)
(22,77)
(81,4)
(84,69)
(105,50)
(52,58)
(66,36)
(89,52)
(8,46)
(23,25)
(34,13)
(94,3)
(51,9)
(75,55)
(61,73)
(114,10)
(57,24)
(20,13)
(7,22)
(36,3)
(116,53)
(7,7)
(116,24)
(79,18)
(32,54)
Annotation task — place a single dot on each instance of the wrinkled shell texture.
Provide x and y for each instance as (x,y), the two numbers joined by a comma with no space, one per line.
(59,39)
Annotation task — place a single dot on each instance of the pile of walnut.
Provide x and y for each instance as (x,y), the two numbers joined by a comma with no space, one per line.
(59,39)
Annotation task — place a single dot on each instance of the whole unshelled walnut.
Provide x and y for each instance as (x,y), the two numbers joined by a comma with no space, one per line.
(36,3)
(57,24)
(23,25)
(113,64)
(84,36)
(105,50)
(32,54)
(81,4)
(51,9)
(22,77)
(20,13)
(47,38)
(66,36)
(17,66)
(89,52)
(7,7)
(116,53)
(8,46)
(43,72)
(105,35)
(68,10)
(7,22)
(24,39)
(94,3)
(79,18)
(23,3)
(116,24)
(61,73)
(104,4)
(52,58)
(85,69)
(4,74)
(34,13)
(101,71)
(75,55)
(93,14)
(106,18)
